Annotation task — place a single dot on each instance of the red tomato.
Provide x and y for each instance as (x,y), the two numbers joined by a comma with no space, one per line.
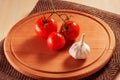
(70,30)
(55,41)
(45,26)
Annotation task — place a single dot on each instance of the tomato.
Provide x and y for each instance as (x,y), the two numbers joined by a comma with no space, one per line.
(45,26)
(55,41)
(70,30)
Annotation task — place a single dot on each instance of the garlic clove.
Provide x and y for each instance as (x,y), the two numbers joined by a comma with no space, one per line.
(73,50)
(83,52)
(79,50)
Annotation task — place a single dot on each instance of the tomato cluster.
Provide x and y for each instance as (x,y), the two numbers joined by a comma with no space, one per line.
(47,28)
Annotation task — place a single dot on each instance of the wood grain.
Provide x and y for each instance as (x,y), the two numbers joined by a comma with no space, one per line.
(30,55)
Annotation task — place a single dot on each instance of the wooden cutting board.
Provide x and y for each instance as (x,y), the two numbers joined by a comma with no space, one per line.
(30,55)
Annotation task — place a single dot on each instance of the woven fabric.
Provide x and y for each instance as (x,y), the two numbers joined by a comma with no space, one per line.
(108,72)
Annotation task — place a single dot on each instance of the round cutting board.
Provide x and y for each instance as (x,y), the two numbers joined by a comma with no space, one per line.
(30,55)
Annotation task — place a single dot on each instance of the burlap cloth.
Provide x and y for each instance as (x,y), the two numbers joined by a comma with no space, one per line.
(7,72)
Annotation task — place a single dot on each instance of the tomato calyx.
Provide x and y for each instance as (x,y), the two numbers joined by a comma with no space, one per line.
(66,26)
(45,21)
(70,30)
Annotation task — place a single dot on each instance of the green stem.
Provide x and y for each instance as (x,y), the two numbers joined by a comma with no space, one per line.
(60,17)
(53,7)
(67,18)
(50,15)
(54,11)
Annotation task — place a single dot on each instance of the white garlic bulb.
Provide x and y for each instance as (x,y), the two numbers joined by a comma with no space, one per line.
(79,50)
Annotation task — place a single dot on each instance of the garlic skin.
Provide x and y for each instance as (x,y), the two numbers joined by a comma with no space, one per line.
(79,50)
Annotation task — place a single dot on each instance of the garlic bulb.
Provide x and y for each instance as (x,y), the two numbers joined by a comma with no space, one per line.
(79,50)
